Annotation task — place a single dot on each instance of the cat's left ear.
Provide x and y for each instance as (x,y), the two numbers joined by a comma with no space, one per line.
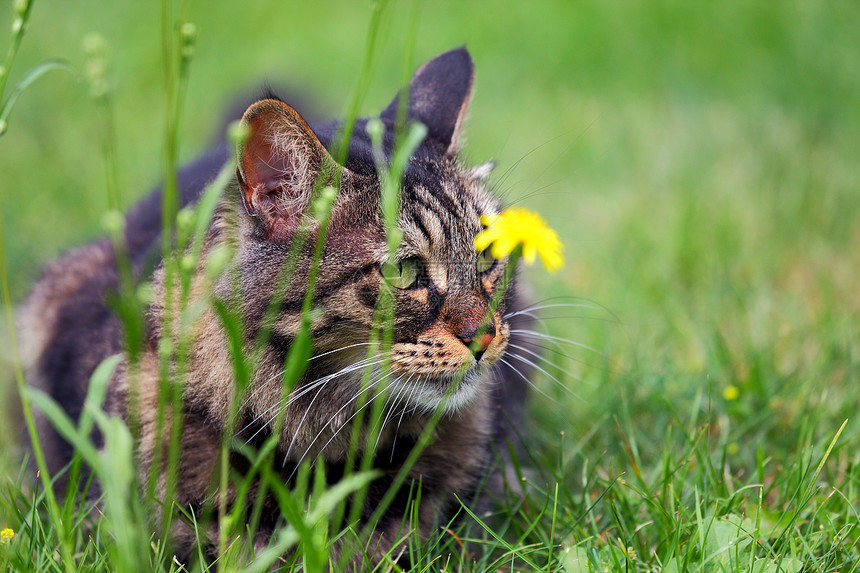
(280,164)
(439,94)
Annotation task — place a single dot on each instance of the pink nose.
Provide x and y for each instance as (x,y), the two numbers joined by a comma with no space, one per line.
(483,342)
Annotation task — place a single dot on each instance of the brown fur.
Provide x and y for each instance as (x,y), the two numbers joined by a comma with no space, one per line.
(282,167)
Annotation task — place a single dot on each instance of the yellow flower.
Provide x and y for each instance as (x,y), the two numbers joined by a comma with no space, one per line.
(731,393)
(516,226)
(7,534)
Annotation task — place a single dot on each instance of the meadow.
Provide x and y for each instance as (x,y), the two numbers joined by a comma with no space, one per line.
(700,162)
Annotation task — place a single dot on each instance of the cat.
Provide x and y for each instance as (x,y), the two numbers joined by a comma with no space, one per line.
(441,286)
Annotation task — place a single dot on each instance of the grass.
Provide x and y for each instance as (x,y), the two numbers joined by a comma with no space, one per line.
(700,162)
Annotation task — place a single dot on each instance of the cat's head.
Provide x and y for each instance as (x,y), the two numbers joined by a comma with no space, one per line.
(442,287)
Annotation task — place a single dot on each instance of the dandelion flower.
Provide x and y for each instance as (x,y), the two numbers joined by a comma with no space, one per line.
(731,392)
(516,227)
(7,534)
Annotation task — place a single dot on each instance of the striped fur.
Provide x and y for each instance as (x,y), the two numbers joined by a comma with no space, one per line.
(70,329)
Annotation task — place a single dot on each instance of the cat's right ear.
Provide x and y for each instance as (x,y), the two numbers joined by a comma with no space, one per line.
(280,163)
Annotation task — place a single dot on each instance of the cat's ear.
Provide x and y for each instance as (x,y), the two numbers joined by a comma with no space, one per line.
(280,163)
(439,95)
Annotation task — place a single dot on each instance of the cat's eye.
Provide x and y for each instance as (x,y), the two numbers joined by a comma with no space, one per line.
(486,261)
(401,275)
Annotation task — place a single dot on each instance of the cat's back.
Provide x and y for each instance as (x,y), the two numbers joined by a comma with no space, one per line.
(66,330)
(66,323)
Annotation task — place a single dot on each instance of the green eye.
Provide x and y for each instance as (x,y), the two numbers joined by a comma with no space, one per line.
(486,261)
(401,275)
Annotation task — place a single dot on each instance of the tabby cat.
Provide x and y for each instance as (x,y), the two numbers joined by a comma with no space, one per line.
(442,289)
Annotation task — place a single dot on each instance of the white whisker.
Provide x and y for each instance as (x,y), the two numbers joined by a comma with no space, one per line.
(305,388)
(557,352)
(403,413)
(390,411)
(538,367)
(302,423)
(280,406)
(540,335)
(331,419)
(553,364)
(525,378)
(533,308)
(321,354)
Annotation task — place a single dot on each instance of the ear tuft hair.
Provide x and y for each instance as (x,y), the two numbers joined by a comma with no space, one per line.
(483,171)
(280,164)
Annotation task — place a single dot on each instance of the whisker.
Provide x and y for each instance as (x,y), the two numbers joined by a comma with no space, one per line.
(551,298)
(419,389)
(308,387)
(538,367)
(280,405)
(575,317)
(539,356)
(524,377)
(577,300)
(321,354)
(390,401)
(258,389)
(403,413)
(527,313)
(391,411)
(267,381)
(509,171)
(545,306)
(539,192)
(556,366)
(540,335)
(565,151)
(302,423)
(554,351)
(331,419)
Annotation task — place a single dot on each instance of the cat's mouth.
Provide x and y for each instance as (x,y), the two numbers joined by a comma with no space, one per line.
(438,369)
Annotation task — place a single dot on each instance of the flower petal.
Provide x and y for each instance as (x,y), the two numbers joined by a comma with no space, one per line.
(515,227)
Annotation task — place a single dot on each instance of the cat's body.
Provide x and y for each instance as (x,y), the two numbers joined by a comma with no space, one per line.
(69,328)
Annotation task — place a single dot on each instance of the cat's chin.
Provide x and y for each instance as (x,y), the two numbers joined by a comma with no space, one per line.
(444,392)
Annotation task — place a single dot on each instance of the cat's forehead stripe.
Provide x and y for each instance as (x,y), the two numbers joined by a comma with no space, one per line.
(462,195)
(468,204)
(442,194)
(422,197)
(422,227)
(433,226)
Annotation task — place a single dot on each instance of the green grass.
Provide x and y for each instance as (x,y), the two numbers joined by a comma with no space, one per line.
(700,161)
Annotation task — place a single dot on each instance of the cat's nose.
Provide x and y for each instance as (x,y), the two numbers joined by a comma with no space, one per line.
(478,344)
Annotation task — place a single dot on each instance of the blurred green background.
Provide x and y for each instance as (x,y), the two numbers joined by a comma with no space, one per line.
(699,159)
